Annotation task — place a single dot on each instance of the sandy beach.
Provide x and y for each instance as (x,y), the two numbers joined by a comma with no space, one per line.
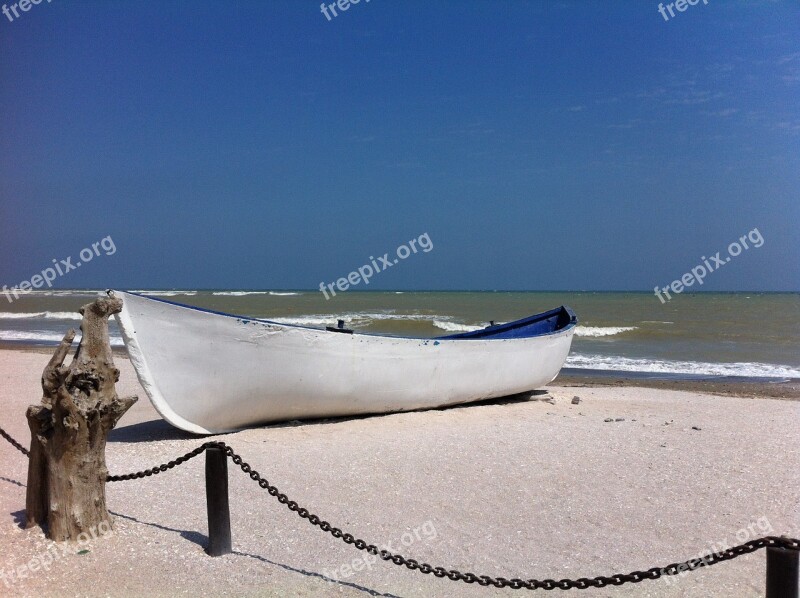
(531,488)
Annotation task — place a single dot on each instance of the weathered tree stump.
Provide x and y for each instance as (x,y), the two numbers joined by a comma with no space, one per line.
(66,492)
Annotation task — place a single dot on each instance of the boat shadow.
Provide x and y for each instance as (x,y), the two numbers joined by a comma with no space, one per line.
(159,429)
(202,541)
(523,397)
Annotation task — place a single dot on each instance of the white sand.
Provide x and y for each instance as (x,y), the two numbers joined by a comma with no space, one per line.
(524,489)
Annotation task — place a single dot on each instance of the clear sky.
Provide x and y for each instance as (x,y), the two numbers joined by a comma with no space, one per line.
(541,145)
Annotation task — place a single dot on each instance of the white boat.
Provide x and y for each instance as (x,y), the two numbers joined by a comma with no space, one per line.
(208,372)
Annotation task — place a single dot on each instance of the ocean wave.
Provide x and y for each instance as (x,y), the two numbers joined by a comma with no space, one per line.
(41,336)
(281,294)
(239,293)
(455,326)
(596,331)
(45,315)
(353,320)
(61,293)
(658,366)
(313,321)
(166,293)
(362,320)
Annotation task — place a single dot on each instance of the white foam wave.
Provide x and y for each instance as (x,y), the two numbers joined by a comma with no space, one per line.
(166,293)
(657,366)
(281,294)
(93,293)
(42,336)
(60,293)
(46,315)
(596,331)
(315,320)
(390,315)
(455,326)
(355,319)
(240,293)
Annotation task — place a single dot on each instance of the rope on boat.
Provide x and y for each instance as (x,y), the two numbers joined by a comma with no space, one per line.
(454,574)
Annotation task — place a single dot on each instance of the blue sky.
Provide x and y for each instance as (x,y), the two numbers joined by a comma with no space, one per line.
(541,145)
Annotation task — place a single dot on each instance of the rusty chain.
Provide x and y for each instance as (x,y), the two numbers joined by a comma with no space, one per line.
(454,574)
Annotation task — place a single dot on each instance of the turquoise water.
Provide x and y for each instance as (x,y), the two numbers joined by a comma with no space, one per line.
(725,334)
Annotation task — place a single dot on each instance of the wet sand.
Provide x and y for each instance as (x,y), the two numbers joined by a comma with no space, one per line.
(730,387)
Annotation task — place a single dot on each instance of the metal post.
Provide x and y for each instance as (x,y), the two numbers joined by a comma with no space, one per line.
(782,572)
(219,514)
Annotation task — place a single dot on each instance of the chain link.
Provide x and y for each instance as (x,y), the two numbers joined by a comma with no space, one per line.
(502,582)
(13,442)
(128,476)
(163,467)
(454,574)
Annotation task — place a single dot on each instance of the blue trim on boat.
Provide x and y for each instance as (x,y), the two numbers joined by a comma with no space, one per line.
(549,322)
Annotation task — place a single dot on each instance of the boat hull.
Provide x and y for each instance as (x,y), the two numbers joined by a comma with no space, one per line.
(211,373)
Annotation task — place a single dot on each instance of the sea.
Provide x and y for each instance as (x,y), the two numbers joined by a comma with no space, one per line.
(694,335)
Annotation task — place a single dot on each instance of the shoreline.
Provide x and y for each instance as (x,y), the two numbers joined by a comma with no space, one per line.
(727,386)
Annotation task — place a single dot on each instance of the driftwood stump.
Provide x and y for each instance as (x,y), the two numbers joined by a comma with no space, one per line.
(66,492)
